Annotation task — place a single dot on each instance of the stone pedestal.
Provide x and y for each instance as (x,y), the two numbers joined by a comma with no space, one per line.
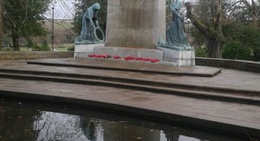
(179,57)
(134,52)
(82,51)
(135,23)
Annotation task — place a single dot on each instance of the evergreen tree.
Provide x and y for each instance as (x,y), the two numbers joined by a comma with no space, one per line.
(23,18)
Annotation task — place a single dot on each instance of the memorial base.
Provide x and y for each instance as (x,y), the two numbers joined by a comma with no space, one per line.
(82,51)
(165,55)
(180,57)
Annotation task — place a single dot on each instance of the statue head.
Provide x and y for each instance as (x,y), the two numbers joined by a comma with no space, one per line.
(96,6)
(177,5)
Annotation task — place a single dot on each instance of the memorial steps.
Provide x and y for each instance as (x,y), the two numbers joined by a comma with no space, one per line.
(149,85)
(172,96)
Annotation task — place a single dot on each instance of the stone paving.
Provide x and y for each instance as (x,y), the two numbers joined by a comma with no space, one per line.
(226,116)
(227,79)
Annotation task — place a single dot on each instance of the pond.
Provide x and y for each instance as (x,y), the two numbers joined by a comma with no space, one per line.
(42,121)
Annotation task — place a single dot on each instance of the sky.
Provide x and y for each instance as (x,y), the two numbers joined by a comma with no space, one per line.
(64,9)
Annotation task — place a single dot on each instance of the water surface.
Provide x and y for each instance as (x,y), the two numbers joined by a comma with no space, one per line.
(37,121)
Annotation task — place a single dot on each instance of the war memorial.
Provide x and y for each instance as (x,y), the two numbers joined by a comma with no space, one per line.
(142,79)
(138,29)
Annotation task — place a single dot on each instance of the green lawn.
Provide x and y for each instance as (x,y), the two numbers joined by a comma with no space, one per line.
(63,47)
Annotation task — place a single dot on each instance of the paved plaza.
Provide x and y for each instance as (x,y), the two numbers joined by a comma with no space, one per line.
(207,97)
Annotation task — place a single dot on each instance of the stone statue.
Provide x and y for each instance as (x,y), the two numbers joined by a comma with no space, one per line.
(175,34)
(90,27)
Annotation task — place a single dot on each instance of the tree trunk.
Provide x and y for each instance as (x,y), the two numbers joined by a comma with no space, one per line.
(15,42)
(1,24)
(254,14)
(214,48)
(212,32)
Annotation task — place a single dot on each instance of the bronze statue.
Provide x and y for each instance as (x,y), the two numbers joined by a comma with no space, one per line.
(176,37)
(90,27)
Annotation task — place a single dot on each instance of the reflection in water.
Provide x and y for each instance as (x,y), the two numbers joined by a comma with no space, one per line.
(92,128)
(65,127)
(30,122)
(184,138)
(56,126)
(89,129)
(115,131)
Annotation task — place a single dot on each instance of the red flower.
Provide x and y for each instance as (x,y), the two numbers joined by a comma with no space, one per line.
(116,57)
(99,56)
(129,58)
(154,60)
(91,55)
(146,59)
(139,59)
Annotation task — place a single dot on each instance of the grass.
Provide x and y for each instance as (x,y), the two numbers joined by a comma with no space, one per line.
(64,47)
(61,48)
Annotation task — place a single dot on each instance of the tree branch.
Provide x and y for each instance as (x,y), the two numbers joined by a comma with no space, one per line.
(201,27)
(218,16)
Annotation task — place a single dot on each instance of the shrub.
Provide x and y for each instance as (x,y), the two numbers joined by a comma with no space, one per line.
(257,54)
(72,48)
(247,35)
(6,49)
(201,52)
(30,44)
(236,50)
(44,46)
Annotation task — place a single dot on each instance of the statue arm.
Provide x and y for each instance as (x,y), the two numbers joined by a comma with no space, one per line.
(89,15)
(172,7)
(95,18)
(176,13)
(92,22)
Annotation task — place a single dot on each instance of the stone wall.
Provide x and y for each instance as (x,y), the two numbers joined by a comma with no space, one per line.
(19,55)
(229,64)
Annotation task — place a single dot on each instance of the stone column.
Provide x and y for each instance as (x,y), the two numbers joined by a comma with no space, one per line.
(135,23)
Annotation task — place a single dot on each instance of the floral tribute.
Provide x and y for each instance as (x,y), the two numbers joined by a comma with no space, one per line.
(128,58)
(99,56)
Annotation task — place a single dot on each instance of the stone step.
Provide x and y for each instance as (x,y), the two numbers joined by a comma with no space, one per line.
(251,93)
(104,64)
(248,97)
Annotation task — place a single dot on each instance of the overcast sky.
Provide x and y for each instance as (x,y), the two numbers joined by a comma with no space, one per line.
(64,9)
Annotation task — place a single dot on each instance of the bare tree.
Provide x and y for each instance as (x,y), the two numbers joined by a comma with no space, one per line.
(245,10)
(212,30)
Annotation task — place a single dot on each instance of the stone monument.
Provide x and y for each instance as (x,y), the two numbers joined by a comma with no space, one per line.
(135,27)
(135,23)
